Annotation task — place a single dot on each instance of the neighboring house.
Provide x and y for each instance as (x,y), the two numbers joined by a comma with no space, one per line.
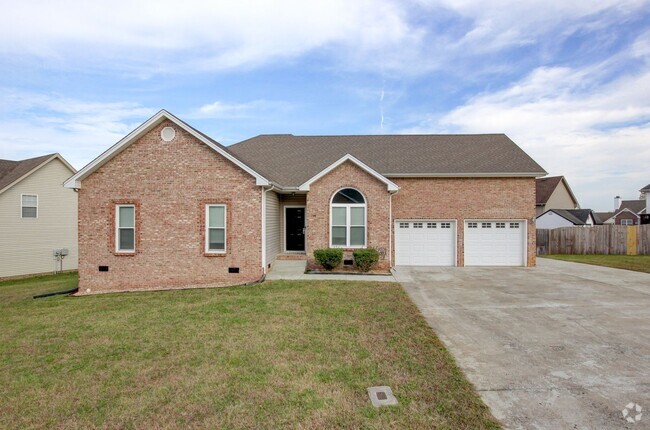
(629,212)
(168,206)
(37,216)
(553,192)
(554,218)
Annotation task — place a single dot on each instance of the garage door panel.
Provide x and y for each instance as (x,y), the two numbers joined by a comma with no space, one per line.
(494,243)
(425,243)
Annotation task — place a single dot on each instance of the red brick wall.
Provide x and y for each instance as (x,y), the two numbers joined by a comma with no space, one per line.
(468,198)
(347,175)
(170,183)
(626,215)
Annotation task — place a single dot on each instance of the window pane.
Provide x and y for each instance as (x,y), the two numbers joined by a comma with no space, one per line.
(217,240)
(338,236)
(127,216)
(29,212)
(357,216)
(217,216)
(357,236)
(30,200)
(127,239)
(348,195)
(338,216)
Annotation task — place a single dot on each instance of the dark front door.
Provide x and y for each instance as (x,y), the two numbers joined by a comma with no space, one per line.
(295,233)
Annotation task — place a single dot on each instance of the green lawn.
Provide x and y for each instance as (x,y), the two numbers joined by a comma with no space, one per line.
(638,263)
(282,354)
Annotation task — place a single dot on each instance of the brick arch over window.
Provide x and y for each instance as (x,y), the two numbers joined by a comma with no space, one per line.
(348,219)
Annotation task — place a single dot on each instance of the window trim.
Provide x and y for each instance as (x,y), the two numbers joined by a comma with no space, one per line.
(348,220)
(118,228)
(22,206)
(206,230)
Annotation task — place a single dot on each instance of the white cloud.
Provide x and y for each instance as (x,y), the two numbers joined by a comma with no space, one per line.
(573,122)
(390,36)
(36,124)
(198,35)
(255,108)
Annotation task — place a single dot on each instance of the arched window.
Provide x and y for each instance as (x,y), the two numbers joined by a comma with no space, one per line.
(348,219)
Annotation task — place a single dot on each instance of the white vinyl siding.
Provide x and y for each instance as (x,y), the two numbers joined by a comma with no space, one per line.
(26,244)
(273,242)
(125,228)
(215,228)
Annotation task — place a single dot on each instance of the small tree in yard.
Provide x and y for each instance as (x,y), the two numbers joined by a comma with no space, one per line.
(329,258)
(365,259)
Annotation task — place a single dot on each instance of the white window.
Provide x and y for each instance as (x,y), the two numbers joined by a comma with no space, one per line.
(215,228)
(348,219)
(627,222)
(431,225)
(445,225)
(514,225)
(486,225)
(501,225)
(472,225)
(403,225)
(417,225)
(125,228)
(28,206)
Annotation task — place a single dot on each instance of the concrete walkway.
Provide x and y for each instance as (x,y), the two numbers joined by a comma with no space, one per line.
(295,269)
(559,346)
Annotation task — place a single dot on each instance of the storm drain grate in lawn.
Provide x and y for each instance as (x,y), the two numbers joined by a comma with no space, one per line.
(381,396)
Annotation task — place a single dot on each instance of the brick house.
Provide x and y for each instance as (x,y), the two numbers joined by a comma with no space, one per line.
(167,206)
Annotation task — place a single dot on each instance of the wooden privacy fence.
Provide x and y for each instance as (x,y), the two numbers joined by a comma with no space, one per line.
(600,239)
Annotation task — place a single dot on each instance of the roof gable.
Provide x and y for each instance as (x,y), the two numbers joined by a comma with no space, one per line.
(575,216)
(12,172)
(621,210)
(75,180)
(544,188)
(636,206)
(347,157)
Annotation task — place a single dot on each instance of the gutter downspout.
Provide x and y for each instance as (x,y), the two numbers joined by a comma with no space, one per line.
(390,229)
(264,191)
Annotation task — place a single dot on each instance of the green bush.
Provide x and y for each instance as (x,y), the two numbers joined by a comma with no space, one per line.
(329,258)
(365,259)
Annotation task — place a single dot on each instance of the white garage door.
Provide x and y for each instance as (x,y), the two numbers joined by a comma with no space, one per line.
(494,243)
(425,243)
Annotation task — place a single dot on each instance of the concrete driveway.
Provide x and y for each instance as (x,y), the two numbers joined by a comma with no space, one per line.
(559,346)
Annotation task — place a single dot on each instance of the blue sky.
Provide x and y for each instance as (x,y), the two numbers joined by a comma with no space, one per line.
(567,81)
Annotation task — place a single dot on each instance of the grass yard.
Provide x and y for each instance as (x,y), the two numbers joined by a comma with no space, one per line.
(282,354)
(638,263)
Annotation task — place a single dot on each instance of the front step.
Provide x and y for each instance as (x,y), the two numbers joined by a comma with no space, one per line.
(289,269)
(291,257)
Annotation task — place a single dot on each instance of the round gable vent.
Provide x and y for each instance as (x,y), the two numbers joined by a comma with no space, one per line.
(168,134)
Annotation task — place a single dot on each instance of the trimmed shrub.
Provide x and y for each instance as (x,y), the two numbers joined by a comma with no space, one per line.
(365,259)
(329,258)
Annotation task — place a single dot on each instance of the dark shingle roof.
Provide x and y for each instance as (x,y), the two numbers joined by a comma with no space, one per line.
(12,170)
(544,188)
(576,216)
(601,217)
(290,160)
(635,206)
(645,189)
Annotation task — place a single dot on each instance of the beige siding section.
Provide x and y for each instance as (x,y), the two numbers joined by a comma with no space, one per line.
(26,244)
(273,242)
(559,199)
